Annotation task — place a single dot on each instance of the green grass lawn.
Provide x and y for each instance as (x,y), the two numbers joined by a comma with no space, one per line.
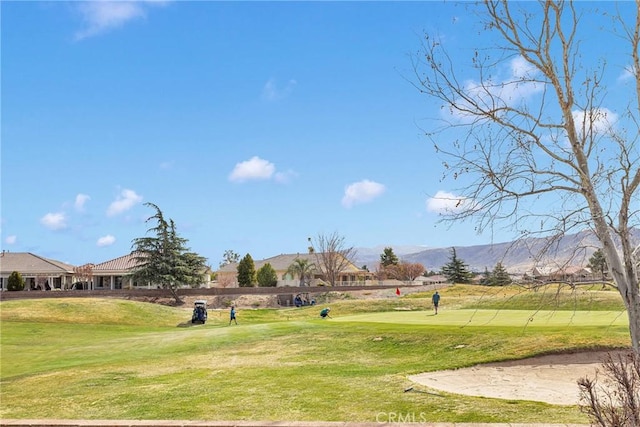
(495,318)
(116,359)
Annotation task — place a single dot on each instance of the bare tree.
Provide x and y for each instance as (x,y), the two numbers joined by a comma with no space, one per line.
(332,255)
(84,274)
(42,280)
(615,399)
(411,270)
(404,270)
(540,149)
(229,257)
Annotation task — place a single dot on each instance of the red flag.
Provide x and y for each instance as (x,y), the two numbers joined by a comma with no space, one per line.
(398,291)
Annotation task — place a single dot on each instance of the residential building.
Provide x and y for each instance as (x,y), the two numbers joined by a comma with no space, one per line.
(39,273)
(350,274)
(116,274)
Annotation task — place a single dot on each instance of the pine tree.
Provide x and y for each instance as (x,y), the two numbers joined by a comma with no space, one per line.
(598,263)
(499,276)
(267,276)
(246,272)
(164,259)
(388,258)
(389,265)
(456,270)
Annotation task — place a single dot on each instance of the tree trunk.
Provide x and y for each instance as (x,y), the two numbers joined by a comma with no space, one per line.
(174,294)
(633,310)
(625,276)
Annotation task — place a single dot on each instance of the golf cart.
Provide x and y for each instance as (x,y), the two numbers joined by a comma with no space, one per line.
(199,311)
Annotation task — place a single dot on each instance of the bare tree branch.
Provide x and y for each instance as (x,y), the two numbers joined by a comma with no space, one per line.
(539,149)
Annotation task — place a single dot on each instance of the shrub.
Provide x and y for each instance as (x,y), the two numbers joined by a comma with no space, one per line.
(616,403)
(246,272)
(15,282)
(267,276)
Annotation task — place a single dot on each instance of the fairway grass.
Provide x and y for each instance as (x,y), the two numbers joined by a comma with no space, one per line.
(113,359)
(515,318)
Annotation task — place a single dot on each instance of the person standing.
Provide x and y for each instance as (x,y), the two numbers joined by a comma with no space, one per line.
(435,299)
(232,315)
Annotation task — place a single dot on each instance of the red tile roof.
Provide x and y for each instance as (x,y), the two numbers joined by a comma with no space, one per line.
(123,263)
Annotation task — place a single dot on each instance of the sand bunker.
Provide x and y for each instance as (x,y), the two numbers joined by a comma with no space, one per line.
(551,379)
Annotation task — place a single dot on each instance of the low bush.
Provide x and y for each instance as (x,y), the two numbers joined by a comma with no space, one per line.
(615,401)
(15,282)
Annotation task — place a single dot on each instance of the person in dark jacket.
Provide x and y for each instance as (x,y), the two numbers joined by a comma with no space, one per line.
(435,299)
(232,315)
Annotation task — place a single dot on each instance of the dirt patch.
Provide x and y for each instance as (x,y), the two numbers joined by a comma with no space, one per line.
(271,301)
(550,378)
(215,301)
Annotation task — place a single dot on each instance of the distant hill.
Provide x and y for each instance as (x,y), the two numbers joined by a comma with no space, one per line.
(370,256)
(517,256)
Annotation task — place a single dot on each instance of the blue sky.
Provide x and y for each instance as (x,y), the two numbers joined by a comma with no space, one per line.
(253,125)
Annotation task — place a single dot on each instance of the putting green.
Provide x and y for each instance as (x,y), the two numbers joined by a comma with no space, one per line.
(493,318)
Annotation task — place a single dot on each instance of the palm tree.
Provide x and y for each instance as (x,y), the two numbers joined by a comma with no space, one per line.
(302,268)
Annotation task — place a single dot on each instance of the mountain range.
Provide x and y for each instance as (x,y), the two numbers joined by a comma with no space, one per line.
(518,256)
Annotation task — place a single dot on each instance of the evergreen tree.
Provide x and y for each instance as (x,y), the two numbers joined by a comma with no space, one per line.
(164,259)
(499,276)
(389,265)
(267,276)
(456,270)
(15,282)
(598,263)
(246,272)
(388,258)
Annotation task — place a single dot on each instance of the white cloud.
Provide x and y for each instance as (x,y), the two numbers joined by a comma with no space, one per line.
(102,16)
(271,92)
(627,74)
(515,85)
(361,192)
(521,68)
(54,221)
(600,120)
(125,201)
(81,199)
(10,240)
(107,240)
(253,169)
(284,177)
(445,202)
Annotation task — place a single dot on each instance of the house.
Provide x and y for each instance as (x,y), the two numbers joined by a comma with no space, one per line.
(430,280)
(538,273)
(570,273)
(350,274)
(116,274)
(39,273)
